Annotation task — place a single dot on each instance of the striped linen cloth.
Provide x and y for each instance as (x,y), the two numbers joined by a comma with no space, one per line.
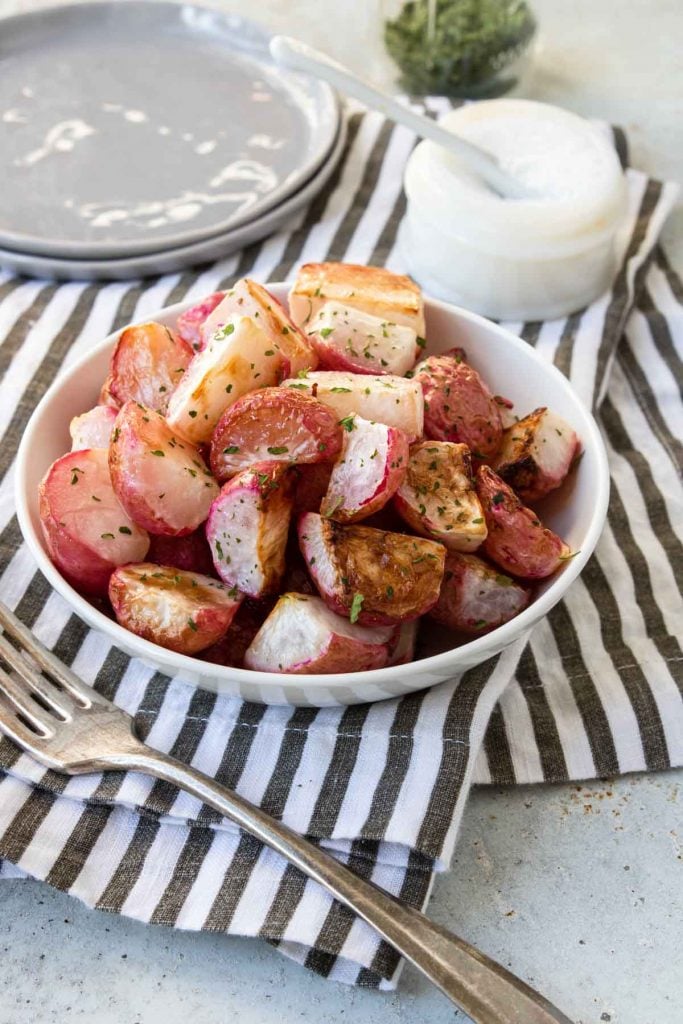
(595,692)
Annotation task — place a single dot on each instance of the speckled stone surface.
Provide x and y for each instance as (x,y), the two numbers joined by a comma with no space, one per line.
(578,889)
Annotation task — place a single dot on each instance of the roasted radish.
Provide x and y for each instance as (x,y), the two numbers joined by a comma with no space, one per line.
(375,290)
(247,528)
(475,597)
(92,429)
(189,324)
(248,298)
(368,575)
(86,530)
(301,635)
(517,541)
(190,552)
(458,405)
(277,424)
(160,479)
(183,611)
(147,365)
(349,339)
(392,400)
(536,454)
(438,498)
(402,647)
(368,472)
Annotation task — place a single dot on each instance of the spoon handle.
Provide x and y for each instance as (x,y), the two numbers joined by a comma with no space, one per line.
(294,54)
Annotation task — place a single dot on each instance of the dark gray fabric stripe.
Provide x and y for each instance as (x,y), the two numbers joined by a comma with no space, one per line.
(565,348)
(6,290)
(235,755)
(78,847)
(289,894)
(542,719)
(621,145)
(335,783)
(674,279)
(288,760)
(661,334)
(130,867)
(647,401)
(17,334)
(185,873)
(497,748)
(234,883)
(387,238)
(531,331)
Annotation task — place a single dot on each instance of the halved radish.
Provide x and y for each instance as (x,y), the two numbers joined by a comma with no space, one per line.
(275,424)
(368,472)
(475,597)
(301,635)
(189,324)
(458,405)
(92,429)
(148,362)
(190,552)
(536,454)
(368,575)
(385,399)
(402,648)
(247,528)
(248,298)
(160,479)
(239,358)
(86,530)
(375,290)
(517,541)
(349,339)
(183,611)
(438,498)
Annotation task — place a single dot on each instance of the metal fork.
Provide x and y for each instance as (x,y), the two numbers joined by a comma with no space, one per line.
(68,726)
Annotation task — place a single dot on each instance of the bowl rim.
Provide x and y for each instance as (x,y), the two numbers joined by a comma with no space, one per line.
(440,664)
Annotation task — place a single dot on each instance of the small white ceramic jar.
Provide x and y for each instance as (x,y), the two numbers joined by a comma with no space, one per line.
(512,259)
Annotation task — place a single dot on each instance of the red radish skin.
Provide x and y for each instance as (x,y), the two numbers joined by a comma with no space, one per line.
(348,339)
(517,541)
(369,471)
(302,636)
(438,498)
(148,363)
(87,532)
(275,424)
(247,528)
(189,324)
(371,576)
(385,399)
(536,454)
(190,552)
(181,611)
(458,405)
(92,429)
(160,479)
(475,597)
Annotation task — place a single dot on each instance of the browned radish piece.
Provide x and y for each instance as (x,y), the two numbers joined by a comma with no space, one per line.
(248,298)
(148,362)
(310,486)
(349,339)
(385,399)
(438,498)
(231,648)
(277,424)
(369,471)
(301,636)
(247,528)
(296,576)
(475,597)
(189,324)
(375,290)
(506,409)
(92,429)
(517,541)
(190,552)
(536,454)
(458,405)
(403,643)
(160,479)
(86,530)
(183,611)
(371,576)
(239,358)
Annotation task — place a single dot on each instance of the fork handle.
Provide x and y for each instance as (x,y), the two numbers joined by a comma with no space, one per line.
(478,985)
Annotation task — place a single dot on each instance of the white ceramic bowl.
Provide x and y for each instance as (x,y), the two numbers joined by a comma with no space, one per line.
(510,367)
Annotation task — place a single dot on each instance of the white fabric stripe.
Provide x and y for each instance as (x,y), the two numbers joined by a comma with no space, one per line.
(105,857)
(258,894)
(367,771)
(50,838)
(156,873)
(519,728)
(100,321)
(481,773)
(13,795)
(667,304)
(549,338)
(584,357)
(663,385)
(208,882)
(16,304)
(17,576)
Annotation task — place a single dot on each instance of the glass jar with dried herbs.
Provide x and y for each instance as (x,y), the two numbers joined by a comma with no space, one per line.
(467,49)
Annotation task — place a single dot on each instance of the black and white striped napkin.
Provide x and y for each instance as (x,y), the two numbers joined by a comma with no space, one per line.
(595,692)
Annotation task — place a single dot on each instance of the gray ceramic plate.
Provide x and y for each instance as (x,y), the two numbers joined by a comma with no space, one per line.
(172,260)
(130,128)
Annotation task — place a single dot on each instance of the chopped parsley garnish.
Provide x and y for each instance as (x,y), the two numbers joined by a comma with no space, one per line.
(325,332)
(231,449)
(158,452)
(347,423)
(278,450)
(356,605)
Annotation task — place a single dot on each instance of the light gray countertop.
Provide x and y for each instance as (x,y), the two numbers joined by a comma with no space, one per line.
(577,889)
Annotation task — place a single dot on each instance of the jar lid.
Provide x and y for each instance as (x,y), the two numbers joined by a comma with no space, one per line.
(568,162)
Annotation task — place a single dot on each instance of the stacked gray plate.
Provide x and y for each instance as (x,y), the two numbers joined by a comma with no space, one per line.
(138,138)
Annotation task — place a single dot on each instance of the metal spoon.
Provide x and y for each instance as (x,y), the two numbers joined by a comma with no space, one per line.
(292,53)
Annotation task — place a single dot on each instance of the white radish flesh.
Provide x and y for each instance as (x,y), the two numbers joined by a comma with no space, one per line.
(368,472)
(92,429)
(148,363)
(536,454)
(475,597)
(349,339)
